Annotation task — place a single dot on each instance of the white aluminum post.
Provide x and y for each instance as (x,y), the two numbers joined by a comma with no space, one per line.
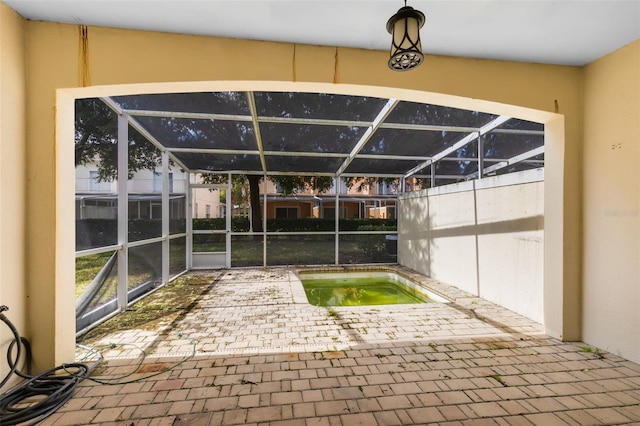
(480,156)
(264,224)
(228,210)
(165,217)
(433,175)
(123,211)
(336,181)
(189,228)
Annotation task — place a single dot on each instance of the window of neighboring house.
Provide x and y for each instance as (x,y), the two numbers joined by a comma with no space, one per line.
(95,185)
(156,211)
(342,187)
(134,209)
(384,188)
(391,212)
(286,212)
(157,182)
(195,211)
(330,212)
(207,211)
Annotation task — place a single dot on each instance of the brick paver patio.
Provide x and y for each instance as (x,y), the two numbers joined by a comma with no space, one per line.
(264,356)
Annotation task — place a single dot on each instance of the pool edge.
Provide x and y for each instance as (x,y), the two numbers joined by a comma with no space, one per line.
(418,279)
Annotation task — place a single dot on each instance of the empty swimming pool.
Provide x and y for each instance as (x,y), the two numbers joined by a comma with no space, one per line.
(363,289)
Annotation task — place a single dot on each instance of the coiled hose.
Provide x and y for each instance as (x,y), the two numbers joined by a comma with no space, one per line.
(39,396)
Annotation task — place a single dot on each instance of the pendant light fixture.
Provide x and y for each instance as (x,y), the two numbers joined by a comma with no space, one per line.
(406,49)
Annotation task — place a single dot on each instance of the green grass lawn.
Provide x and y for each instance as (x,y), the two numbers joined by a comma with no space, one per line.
(304,251)
(87,267)
(144,264)
(245,251)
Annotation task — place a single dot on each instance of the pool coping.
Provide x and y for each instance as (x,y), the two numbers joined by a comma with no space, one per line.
(420,292)
(448,293)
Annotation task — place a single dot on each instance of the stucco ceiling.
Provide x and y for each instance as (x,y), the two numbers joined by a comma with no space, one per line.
(569,32)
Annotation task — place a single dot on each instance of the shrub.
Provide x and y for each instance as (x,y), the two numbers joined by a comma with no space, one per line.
(103,232)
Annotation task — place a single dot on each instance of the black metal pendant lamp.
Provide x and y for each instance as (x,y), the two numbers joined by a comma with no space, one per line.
(406,49)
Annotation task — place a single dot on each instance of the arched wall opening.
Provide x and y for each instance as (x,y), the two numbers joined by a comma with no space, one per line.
(554,141)
(112,60)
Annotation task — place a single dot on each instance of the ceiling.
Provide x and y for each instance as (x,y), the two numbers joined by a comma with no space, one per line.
(569,32)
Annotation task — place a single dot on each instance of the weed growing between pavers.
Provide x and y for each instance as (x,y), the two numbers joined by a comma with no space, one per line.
(498,378)
(599,353)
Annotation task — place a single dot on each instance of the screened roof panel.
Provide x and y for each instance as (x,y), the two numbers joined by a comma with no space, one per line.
(303,164)
(315,133)
(416,113)
(317,106)
(219,162)
(470,150)
(518,167)
(517,124)
(409,142)
(309,138)
(505,145)
(234,103)
(372,167)
(441,181)
(191,133)
(453,168)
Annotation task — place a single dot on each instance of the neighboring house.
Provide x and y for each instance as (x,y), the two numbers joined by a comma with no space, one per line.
(368,201)
(206,203)
(98,200)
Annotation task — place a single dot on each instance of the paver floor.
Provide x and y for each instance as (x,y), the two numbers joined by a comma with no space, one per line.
(251,350)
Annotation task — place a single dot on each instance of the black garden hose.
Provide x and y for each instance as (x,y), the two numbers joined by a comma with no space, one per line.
(39,396)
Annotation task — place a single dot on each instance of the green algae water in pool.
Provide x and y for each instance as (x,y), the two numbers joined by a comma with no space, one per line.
(357,292)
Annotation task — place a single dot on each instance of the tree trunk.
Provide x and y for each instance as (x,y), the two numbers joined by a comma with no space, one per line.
(254,199)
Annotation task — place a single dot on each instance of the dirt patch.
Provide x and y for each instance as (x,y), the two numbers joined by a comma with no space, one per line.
(156,311)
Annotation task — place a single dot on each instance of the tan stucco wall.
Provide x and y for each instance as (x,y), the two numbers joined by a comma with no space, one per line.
(611,267)
(485,237)
(304,208)
(352,209)
(13,292)
(123,57)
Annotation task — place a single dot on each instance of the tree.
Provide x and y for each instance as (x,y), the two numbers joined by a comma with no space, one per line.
(96,134)
(96,141)
(243,184)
